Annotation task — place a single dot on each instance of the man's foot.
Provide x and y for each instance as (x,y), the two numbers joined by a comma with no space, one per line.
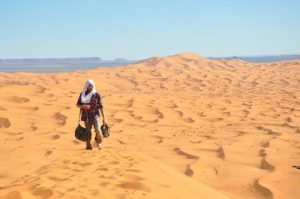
(88,146)
(98,138)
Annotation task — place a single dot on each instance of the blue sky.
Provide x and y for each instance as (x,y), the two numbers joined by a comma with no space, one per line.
(137,29)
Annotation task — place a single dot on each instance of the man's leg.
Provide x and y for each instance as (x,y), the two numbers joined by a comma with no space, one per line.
(88,127)
(98,137)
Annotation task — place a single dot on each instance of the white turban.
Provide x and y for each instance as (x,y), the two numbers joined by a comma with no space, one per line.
(87,98)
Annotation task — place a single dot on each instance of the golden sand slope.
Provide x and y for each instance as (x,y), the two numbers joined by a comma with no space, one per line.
(182,127)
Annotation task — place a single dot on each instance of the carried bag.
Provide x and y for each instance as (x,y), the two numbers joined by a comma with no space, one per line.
(81,133)
(105,130)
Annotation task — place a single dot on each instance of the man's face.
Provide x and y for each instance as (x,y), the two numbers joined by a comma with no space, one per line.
(90,88)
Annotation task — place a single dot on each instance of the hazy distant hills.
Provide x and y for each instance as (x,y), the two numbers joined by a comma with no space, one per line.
(262,59)
(55,61)
(41,65)
(121,61)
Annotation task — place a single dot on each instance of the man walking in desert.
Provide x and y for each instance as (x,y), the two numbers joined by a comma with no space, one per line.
(90,102)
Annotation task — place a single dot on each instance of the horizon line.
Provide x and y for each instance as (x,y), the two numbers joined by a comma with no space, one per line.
(71,57)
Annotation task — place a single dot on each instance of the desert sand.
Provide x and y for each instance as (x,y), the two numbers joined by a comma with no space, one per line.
(182,126)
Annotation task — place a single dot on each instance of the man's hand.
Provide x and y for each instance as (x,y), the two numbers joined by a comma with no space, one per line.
(104,121)
(85,107)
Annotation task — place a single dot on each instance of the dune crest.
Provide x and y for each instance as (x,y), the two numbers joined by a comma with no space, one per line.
(190,55)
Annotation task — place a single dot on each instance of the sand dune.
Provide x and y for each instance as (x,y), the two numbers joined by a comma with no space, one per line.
(182,126)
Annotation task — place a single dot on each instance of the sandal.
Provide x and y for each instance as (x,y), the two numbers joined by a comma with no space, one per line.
(88,146)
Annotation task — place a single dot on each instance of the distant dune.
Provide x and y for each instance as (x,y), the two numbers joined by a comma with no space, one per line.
(182,126)
(48,65)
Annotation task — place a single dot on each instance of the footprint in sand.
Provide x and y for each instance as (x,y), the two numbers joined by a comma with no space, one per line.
(172,105)
(259,127)
(4,122)
(155,74)
(51,97)
(17,99)
(288,119)
(19,83)
(268,131)
(133,170)
(116,120)
(246,112)
(179,113)
(188,120)
(186,155)
(75,142)
(18,195)
(41,90)
(266,165)
(262,153)
(55,137)
(228,80)
(30,108)
(265,192)
(201,114)
(61,119)
(3,109)
(221,153)
(226,113)
(33,127)
(160,139)
(48,152)
(132,177)
(188,171)
(57,179)
(208,106)
(214,119)
(121,142)
(13,133)
(158,113)
(129,104)
(83,164)
(135,185)
(265,144)
(227,101)
(139,71)
(41,192)
(137,117)
(114,162)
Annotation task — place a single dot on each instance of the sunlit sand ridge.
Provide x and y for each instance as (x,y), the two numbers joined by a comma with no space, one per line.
(182,126)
